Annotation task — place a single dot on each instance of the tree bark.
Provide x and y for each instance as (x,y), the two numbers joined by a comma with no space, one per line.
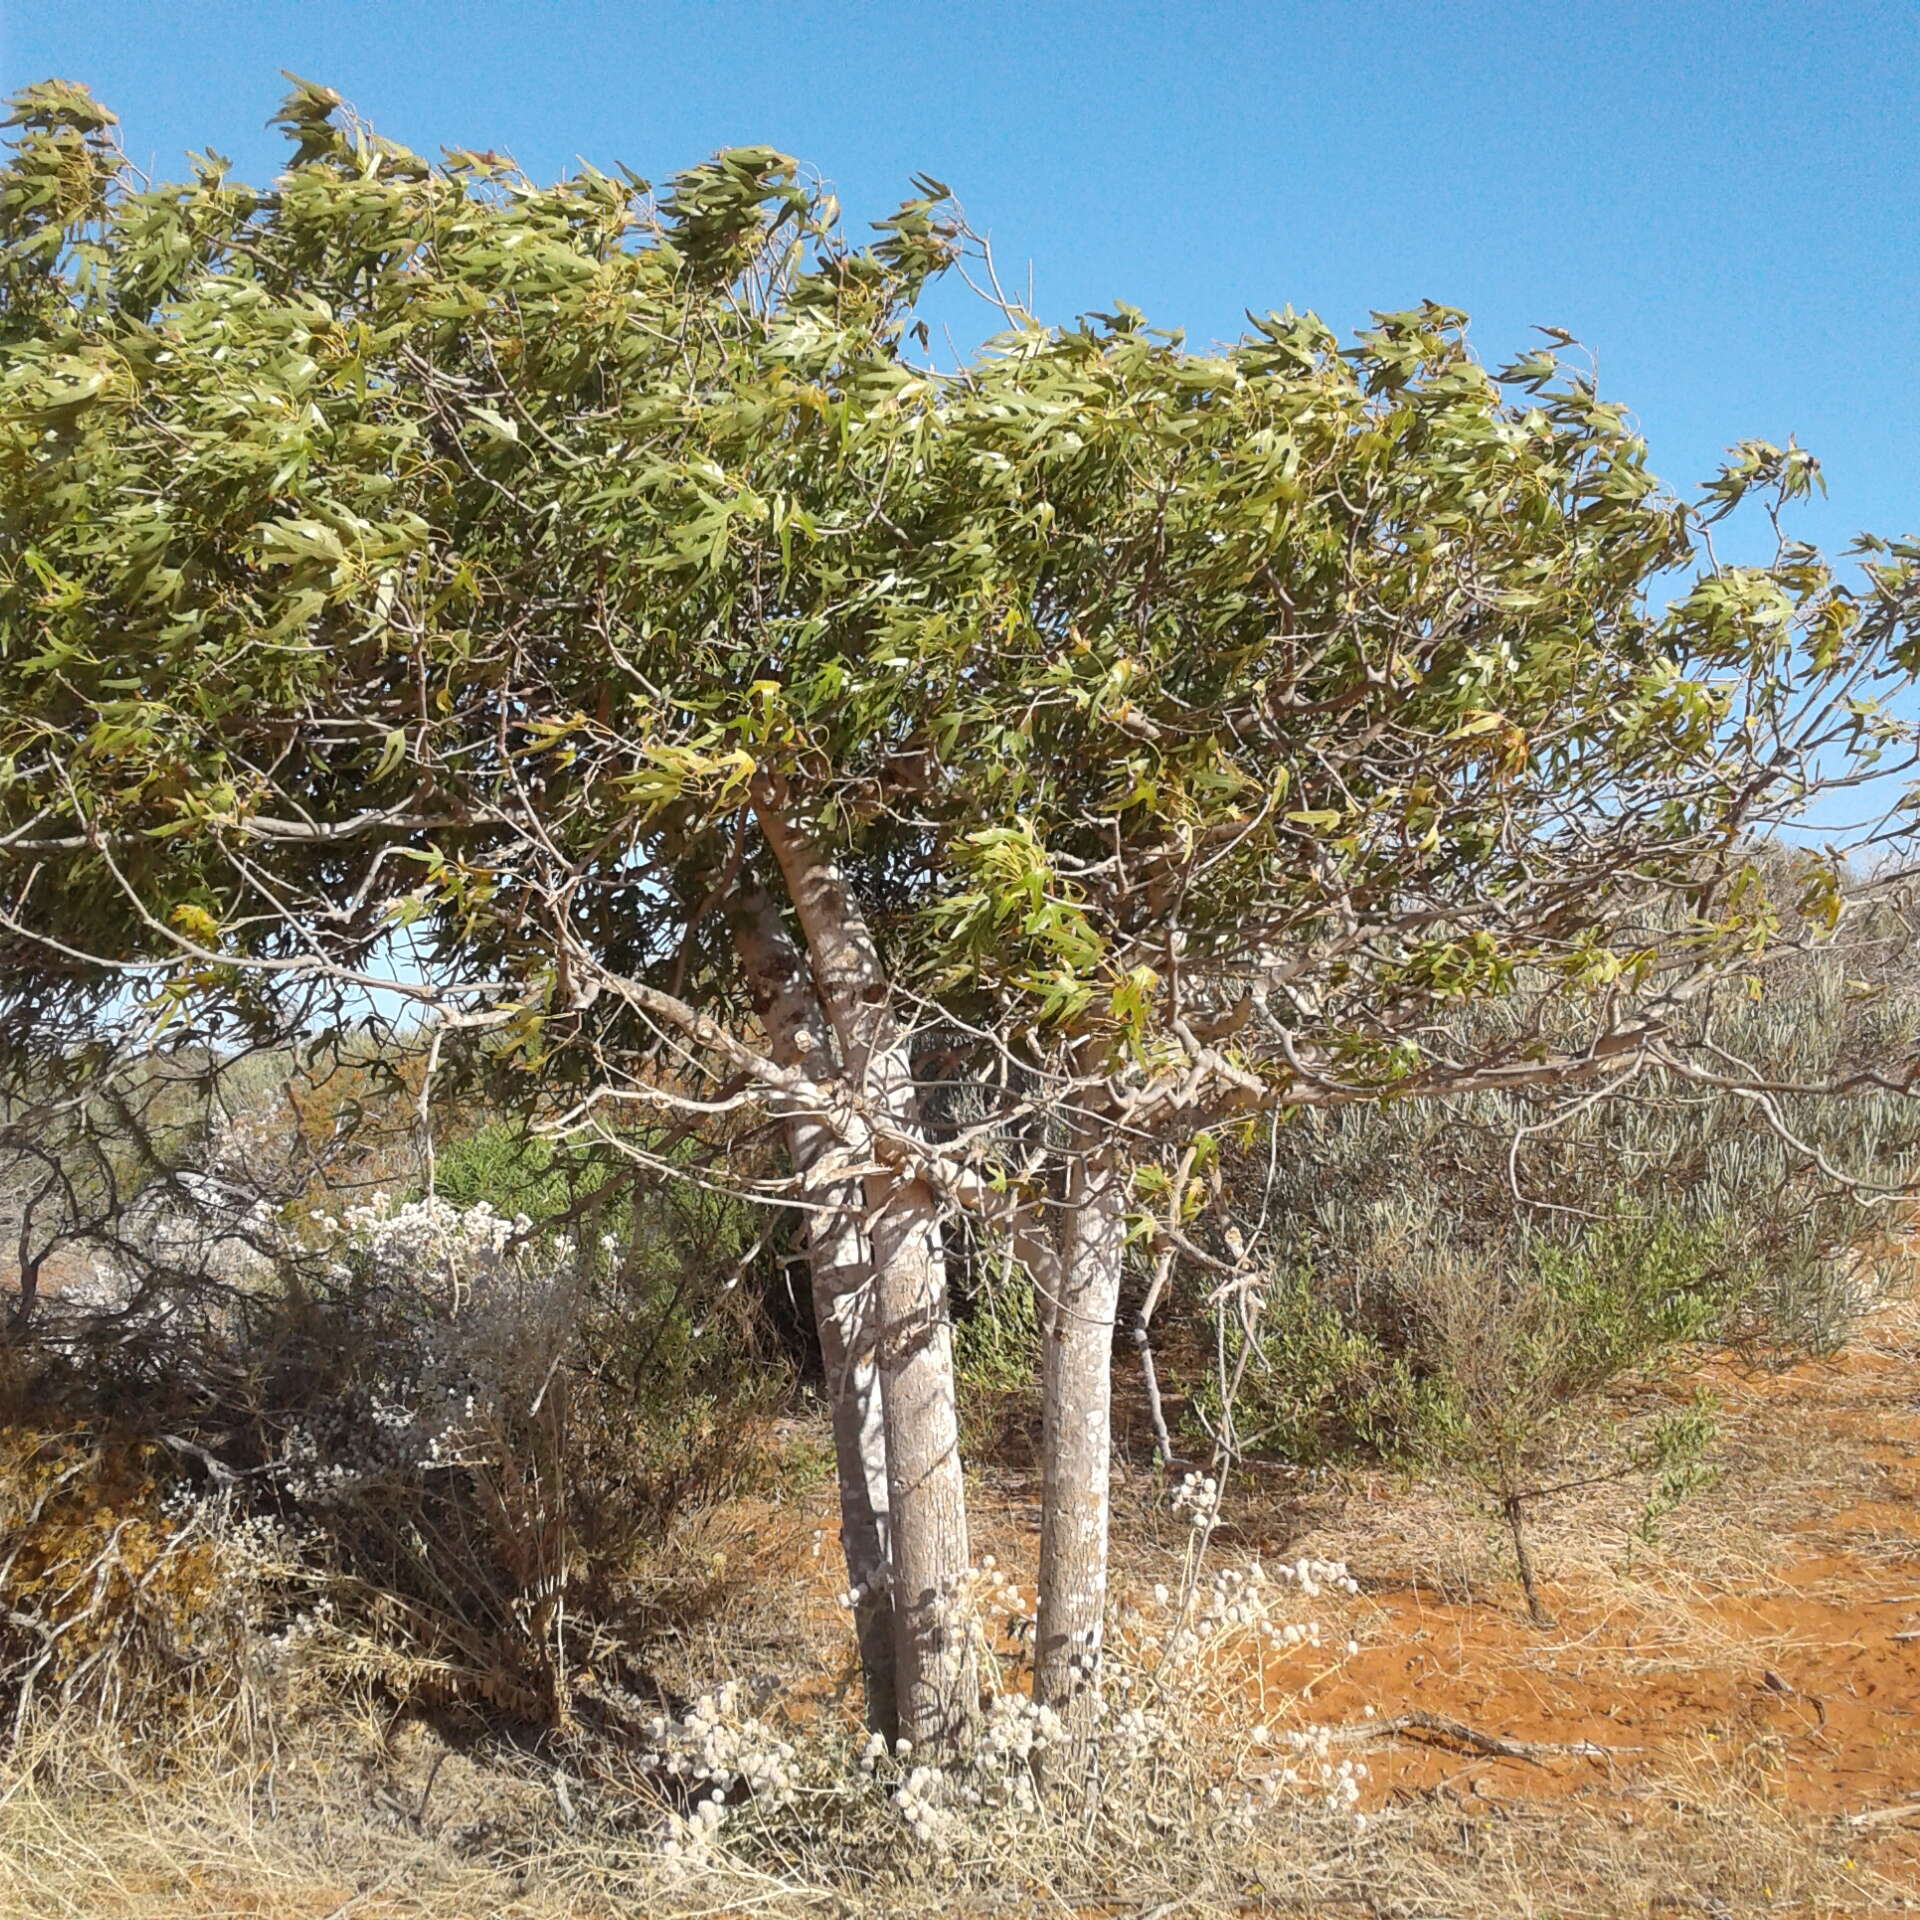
(936,1670)
(846,1313)
(840,1265)
(1076,1445)
(939,1683)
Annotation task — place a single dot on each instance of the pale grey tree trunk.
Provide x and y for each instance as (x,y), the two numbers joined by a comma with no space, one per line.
(845,1309)
(939,1684)
(1076,1442)
(936,1673)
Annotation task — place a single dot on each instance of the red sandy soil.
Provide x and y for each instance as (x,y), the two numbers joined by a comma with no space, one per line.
(1798,1676)
(1677,1684)
(1798,1667)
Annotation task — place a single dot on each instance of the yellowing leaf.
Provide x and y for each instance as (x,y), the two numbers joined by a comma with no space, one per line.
(196,923)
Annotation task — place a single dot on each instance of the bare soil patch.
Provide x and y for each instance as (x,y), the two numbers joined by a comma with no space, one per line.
(1767,1652)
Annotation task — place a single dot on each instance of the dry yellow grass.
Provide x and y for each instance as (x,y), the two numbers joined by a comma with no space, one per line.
(316,1839)
(1762,1714)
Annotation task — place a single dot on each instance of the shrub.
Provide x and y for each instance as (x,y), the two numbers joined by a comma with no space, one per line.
(996,1341)
(1190,1738)
(1463,1283)
(1316,1386)
(112,1588)
(425,1441)
(1520,1355)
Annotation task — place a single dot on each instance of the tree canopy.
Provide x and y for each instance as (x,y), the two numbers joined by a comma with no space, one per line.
(404,546)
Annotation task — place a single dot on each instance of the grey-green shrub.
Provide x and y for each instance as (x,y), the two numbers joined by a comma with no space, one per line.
(1461,1282)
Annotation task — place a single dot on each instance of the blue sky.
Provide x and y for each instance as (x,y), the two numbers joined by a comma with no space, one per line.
(1718,198)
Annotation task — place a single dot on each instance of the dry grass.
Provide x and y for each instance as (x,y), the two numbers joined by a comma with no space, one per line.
(329,1832)
(1723,1794)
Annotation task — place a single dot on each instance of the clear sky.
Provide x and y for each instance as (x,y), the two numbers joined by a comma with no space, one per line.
(1719,196)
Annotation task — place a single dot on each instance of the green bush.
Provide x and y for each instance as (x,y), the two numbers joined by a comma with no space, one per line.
(1461,1283)
(996,1341)
(1316,1387)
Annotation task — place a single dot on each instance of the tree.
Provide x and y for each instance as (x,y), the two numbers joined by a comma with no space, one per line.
(556,610)
(275,848)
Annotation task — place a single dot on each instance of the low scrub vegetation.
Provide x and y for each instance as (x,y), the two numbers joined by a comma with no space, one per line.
(400,1453)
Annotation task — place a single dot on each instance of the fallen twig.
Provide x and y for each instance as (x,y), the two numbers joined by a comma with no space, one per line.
(1435,1726)
(1879,1816)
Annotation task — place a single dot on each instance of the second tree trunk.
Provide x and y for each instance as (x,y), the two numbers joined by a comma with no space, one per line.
(1076,1447)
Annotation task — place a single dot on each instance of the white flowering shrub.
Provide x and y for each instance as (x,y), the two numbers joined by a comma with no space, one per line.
(1193,1733)
(472,1324)
(412,1439)
(485,1460)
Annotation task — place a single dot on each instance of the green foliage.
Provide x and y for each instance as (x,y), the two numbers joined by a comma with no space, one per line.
(512,1171)
(1427,1358)
(996,1342)
(1673,1458)
(1497,1365)
(1476,1279)
(1522,1351)
(406,545)
(1318,1387)
(416,582)
(650,1229)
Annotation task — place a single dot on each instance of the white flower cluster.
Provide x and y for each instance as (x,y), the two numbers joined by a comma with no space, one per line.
(693,1835)
(426,1426)
(1198,1497)
(721,1751)
(1013,1733)
(1234,1601)
(921,1802)
(1160,1691)
(734,1767)
(997,1773)
(252,1543)
(477,1317)
(1316,1576)
(429,1239)
(1338,1784)
(249,1149)
(980,1595)
(283,1649)
(1130,1735)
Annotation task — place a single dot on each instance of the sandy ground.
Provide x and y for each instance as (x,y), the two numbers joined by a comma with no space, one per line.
(1775,1632)
(1761,1663)
(1755,1670)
